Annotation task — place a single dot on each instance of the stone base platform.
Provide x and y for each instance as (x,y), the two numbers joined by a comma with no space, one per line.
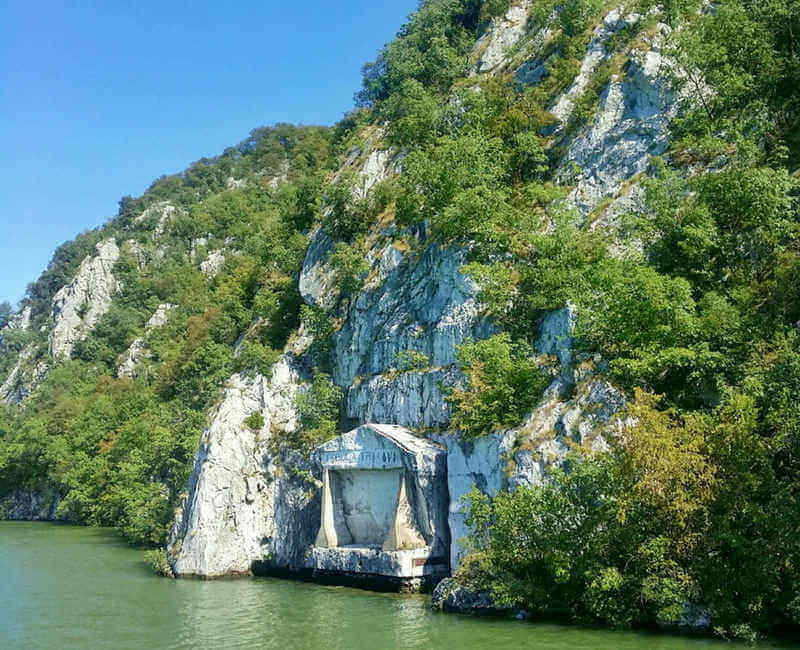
(373,568)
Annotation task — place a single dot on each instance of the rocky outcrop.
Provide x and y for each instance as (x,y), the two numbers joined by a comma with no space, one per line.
(424,305)
(22,321)
(401,398)
(213,263)
(317,280)
(133,357)
(378,166)
(450,596)
(25,376)
(630,127)
(250,506)
(479,463)
(138,350)
(138,252)
(246,506)
(575,408)
(503,34)
(596,53)
(160,316)
(161,215)
(78,306)
(30,505)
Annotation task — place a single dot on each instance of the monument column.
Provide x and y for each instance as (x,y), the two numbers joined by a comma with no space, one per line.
(403,535)
(327,538)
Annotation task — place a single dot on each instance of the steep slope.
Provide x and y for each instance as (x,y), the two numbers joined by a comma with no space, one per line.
(540,216)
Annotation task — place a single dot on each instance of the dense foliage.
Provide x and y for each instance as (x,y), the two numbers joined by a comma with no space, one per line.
(692,303)
(695,502)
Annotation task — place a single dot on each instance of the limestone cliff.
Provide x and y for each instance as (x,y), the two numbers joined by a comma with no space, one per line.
(78,306)
(246,504)
(416,298)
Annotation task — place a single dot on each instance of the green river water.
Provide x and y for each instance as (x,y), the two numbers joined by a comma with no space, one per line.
(72,587)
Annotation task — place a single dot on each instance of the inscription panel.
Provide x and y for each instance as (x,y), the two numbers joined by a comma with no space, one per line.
(362,459)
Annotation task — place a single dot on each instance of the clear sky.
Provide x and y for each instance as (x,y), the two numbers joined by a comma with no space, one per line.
(99,98)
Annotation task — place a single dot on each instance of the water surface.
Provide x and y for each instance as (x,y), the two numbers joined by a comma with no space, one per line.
(73,587)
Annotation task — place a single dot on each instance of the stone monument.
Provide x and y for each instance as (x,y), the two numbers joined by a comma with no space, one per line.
(384,507)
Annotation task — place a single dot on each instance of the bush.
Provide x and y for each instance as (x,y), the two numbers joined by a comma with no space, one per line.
(503,384)
(318,412)
(254,421)
(350,265)
(432,179)
(255,358)
(157,561)
(410,360)
(611,539)
(344,217)
(576,15)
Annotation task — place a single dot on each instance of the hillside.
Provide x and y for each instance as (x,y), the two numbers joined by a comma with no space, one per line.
(559,239)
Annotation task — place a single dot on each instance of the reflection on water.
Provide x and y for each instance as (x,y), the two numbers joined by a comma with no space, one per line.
(70,587)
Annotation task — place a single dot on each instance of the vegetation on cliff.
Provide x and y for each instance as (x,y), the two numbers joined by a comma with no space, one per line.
(692,301)
(118,448)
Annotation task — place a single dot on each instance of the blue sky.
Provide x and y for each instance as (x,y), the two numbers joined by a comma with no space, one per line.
(98,98)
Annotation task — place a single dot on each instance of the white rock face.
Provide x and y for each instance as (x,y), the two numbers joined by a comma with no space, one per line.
(480,463)
(378,166)
(595,54)
(407,398)
(163,212)
(24,377)
(138,350)
(136,353)
(79,306)
(213,263)
(232,183)
(22,321)
(504,33)
(542,442)
(317,280)
(241,508)
(424,305)
(160,317)
(234,515)
(555,334)
(631,126)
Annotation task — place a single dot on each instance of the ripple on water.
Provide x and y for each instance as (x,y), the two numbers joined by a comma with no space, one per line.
(70,587)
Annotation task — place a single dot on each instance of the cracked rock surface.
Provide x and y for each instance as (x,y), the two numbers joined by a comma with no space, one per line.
(78,307)
(245,506)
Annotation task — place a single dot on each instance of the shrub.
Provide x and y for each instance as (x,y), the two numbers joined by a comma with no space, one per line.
(255,357)
(344,217)
(318,412)
(350,265)
(157,561)
(254,421)
(503,383)
(410,360)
